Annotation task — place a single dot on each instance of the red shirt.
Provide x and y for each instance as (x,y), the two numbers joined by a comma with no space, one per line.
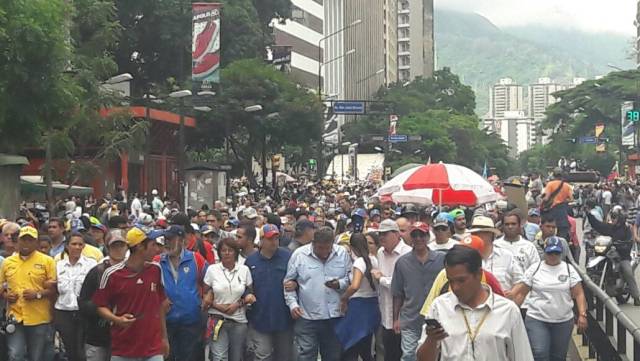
(492,282)
(208,249)
(139,294)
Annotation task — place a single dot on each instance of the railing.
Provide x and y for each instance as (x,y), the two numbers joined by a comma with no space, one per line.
(606,342)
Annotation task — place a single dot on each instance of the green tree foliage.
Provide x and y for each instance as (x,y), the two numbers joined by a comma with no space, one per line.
(441,110)
(250,82)
(577,113)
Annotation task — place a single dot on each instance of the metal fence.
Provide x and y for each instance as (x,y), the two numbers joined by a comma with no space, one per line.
(610,328)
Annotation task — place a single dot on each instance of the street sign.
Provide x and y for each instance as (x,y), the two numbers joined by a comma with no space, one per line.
(415,138)
(588,140)
(398,138)
(349,107)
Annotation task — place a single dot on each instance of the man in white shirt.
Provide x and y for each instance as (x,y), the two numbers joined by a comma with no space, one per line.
(471,322)
(524,251)
(392,248)
(136,206)
(607,197)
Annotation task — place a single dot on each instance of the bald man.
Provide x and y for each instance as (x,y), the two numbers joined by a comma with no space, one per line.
(405,228)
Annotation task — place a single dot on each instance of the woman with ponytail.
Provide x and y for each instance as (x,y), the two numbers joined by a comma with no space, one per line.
(359,303)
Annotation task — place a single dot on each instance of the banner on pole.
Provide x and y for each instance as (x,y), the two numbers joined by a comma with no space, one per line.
(205,50)
(628,127)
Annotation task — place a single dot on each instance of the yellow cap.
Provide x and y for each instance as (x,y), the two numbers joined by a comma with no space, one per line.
(28,231)
(135,236)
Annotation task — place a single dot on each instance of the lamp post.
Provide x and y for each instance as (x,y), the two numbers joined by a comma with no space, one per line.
(254,109)
(320,54)
(181,94)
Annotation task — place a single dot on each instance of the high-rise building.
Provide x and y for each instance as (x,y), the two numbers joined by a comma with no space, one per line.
(541,96)
(415,39)
(302,33)
(517,130)
(506,96)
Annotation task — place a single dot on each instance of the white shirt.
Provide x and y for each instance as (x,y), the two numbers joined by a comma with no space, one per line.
(228,287)
(70,279)
(386,264)
(365,289)
(550,291)
(502,264)
(136,207)
(434,246)
(501,337)
(523,250)
(606,197)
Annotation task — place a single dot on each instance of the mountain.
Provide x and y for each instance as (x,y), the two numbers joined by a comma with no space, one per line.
(481,53)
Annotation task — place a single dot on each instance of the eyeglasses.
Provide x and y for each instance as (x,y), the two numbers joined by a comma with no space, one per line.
(440,229)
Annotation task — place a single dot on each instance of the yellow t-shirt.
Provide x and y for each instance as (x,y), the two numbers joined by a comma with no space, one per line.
(29,274)
(88,251)
(436,290)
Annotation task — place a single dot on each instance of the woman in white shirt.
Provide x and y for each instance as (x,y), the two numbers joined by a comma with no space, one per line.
(71,271)
(360,302)
(552,286)
(228,290)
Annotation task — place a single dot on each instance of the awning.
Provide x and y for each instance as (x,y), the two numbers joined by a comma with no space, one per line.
(31,185)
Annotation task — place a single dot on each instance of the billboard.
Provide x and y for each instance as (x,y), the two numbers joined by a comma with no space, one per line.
(627,126)
(205,49)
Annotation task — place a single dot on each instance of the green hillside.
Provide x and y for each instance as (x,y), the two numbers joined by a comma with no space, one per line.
(482,53)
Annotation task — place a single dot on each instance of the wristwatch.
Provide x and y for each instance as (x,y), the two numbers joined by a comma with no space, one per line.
(39,295)
(583,314)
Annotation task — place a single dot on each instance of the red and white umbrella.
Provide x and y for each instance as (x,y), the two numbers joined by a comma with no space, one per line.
(444,184)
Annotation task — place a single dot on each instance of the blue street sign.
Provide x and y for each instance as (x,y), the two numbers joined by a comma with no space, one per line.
(398,138)
(588,140)
(349,107)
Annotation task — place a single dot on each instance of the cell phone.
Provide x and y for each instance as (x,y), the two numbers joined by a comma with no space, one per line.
(432,323)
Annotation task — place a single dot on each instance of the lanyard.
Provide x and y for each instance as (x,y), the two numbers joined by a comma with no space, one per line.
(474,334)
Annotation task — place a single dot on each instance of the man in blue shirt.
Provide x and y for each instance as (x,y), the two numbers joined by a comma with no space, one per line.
(270,331)
(321,270)
(183,273)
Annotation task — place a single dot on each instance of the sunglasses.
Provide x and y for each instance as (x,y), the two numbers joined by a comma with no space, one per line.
(440,229)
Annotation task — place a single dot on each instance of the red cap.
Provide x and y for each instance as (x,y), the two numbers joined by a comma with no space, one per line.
(474,242)
(420,226)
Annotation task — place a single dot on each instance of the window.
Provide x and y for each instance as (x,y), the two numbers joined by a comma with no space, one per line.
(404,47)
(404,33)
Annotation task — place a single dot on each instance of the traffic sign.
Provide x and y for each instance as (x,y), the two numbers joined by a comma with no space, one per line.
(398,138)
(415,138)
(349,107)
(588,140)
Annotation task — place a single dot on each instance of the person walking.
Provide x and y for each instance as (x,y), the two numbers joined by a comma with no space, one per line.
(472,322)
(270,324)
(552,285)
(359,303)
(413,277)
(228,290)
(392,248)
(131,297)
(97,330)
(29,279)
(71,272)
(321,270)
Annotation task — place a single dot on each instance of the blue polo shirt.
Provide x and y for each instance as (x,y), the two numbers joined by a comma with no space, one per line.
(270,312)
(183,291)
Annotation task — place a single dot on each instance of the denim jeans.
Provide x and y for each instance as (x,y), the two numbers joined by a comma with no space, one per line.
(231,342)
(151,358)
(97,353)
(313,335)
(184,340)
(275,346)
(409,337)
(549,341)
(37,341)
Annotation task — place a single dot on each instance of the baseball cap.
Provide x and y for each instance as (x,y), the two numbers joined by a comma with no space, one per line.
(117,235)
(360,213)
(388,225)
(553,245)
(99,226)
(534,212)
(157,235)
(270,230)
(420,226)
(28,231)
(174,231)
(304,224)
(135,236)
(195,227)
(474,242)
(442,219)
(456,213)
(250,213)
(208,229)
(374,212)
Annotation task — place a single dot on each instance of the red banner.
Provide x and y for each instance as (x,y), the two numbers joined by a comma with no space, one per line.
(205,51)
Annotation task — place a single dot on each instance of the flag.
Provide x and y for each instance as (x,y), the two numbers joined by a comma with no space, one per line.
(485,173)
(205,49)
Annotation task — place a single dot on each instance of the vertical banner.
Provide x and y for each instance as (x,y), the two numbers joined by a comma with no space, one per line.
(393,124)
(627,126)
(205,50)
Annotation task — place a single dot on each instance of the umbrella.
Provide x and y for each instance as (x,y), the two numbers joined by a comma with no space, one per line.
(405,168)
(444,184)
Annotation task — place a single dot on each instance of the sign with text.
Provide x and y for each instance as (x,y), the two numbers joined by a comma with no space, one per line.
(349,107)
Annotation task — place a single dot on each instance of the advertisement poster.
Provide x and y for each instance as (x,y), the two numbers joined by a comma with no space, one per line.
(205,50)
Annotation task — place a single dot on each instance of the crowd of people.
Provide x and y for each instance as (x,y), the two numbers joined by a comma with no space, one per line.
(326,271)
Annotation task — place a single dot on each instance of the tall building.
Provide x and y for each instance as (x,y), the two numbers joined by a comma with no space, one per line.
(541,96)
(517,130)
(506,96)
(416,55)
(302,33)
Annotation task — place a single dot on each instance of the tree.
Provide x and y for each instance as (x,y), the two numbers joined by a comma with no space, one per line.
(290,117)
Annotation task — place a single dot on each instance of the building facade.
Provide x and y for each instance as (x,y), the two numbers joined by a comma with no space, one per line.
(516,129)
(506,96)
(303,33)
(416,44)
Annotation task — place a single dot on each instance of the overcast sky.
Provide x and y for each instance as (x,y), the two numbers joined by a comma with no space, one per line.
(592,15)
